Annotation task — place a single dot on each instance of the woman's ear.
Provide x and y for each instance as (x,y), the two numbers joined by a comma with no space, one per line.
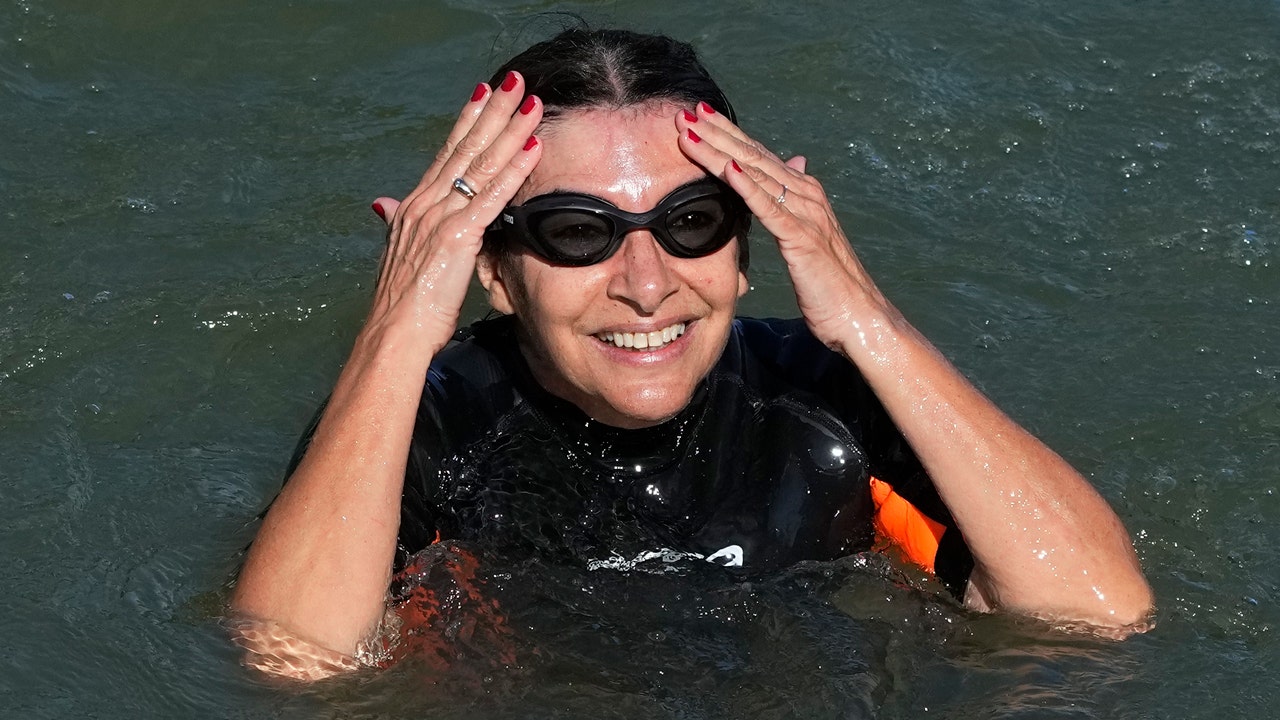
(493,278)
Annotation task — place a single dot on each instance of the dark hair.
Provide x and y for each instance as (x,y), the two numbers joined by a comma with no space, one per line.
(585,68)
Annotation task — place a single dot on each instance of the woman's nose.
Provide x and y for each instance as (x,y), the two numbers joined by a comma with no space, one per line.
(642,275)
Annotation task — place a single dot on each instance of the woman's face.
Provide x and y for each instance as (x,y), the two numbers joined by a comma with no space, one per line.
(630,158)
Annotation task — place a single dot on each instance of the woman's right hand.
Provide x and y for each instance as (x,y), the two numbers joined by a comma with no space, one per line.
(319,567)
(434,235)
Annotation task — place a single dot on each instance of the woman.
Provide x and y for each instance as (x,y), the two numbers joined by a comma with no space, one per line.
(598,186)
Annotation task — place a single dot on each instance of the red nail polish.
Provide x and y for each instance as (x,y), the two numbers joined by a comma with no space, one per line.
(693,136)
(528,105)
(509,82)
(736,166)
(531,143)
(690,117)
(707,109)
(377,207)
(478,95)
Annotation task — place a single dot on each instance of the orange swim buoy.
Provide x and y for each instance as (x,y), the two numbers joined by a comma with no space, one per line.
(901,526)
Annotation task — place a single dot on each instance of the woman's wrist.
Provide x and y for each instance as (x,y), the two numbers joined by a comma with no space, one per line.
(867,329)
(404,337)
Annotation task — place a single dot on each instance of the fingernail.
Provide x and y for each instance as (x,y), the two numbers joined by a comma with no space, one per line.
(377,207)
(736,166)
(528,105)
(707,109)
(690,117)
(693,136)
(478,95)
(509,82)
(531,143)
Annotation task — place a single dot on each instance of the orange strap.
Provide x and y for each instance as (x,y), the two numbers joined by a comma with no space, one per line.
(899,524)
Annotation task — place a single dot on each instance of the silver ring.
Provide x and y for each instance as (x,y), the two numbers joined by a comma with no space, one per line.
(782,198)
(463,188)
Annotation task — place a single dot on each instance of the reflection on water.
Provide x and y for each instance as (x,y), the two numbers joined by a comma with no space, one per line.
(682,638)
(271,650)
(1079,204)
(850,639)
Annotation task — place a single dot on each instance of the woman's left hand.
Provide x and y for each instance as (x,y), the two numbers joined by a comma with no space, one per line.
(1044,542)
(832,288)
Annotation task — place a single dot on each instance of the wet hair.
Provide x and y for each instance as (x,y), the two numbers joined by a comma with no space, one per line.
(583,68)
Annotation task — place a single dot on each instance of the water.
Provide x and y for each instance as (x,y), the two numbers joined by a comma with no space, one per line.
(1079,204)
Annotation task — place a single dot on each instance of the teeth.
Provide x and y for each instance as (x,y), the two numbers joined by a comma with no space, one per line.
(644,341)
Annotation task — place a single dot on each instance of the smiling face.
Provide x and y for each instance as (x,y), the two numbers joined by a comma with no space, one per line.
(628,339)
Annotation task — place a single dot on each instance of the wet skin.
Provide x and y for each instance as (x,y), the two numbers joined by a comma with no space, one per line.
(630,158)
(1045,543)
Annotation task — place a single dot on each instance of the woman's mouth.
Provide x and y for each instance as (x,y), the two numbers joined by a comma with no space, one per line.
(643,340)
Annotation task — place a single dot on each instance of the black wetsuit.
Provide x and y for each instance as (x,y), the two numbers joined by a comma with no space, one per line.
(768,465)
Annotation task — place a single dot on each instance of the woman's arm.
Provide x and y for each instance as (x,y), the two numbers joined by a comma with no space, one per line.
(321,562)
(1044,542)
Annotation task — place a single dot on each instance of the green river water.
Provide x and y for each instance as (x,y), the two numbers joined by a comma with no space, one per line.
(1078,202)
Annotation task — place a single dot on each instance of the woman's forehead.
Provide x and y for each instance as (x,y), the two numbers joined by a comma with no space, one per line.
(629,156)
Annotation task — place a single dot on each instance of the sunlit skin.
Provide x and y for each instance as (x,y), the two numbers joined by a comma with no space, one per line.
(1044,542)
(632,159)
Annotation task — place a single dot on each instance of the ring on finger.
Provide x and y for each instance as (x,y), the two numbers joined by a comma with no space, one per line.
(782,197)
(463,188)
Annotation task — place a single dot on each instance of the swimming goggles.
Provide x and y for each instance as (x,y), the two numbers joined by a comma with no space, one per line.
(692,221)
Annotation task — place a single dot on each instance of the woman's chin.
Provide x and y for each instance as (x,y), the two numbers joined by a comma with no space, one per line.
(645,408)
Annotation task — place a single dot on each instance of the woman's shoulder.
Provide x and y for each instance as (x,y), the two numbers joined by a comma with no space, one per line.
(771,327)
(784,346)
(477,374)
(479,354)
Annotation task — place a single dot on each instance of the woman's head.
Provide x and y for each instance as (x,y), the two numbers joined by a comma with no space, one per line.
(626,338)
(608,69)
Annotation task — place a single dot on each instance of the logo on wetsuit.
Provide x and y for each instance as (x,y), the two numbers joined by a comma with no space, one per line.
(729,556)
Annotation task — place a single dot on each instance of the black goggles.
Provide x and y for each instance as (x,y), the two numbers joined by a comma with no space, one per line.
(692,221)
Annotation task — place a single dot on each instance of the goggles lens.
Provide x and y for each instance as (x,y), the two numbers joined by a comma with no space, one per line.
(571,229)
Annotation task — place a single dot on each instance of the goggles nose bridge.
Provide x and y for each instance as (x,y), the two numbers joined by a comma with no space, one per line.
(653,222)
(627,234)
